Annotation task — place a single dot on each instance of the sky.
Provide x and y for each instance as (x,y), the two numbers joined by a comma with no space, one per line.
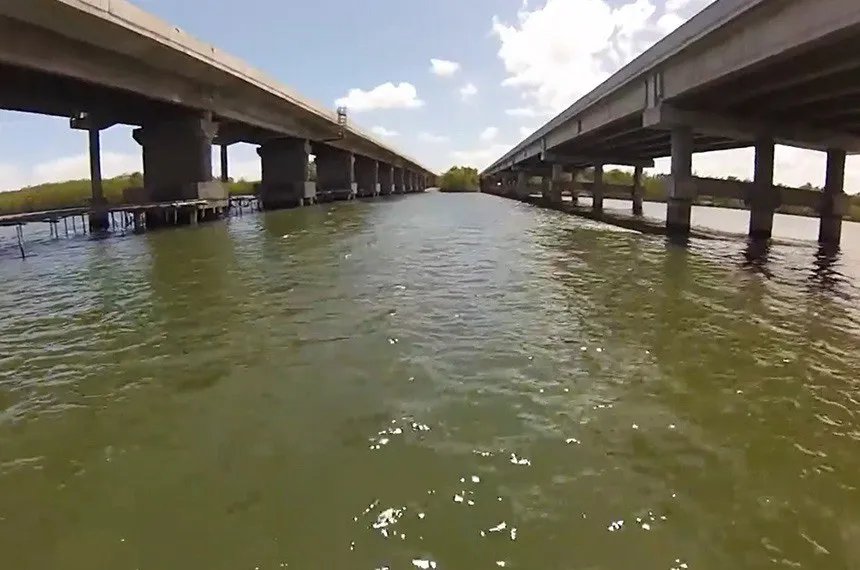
(444,81)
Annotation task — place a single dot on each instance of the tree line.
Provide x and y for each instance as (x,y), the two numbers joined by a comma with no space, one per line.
(78,193)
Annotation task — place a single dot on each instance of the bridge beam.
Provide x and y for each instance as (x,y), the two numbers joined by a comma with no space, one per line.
(177,159)
(667,117)
(336,172)
(286,173)
(367,176)
(584,160)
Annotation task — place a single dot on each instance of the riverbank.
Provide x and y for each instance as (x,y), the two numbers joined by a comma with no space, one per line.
(78,194)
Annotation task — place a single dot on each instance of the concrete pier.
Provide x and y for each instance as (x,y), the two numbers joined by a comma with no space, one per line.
(399,187)
(637,192)
(833,200)
(286,174)
(177,160)
(225,165)
(597,189)
(335,173)
(386,179)
(556,183)
(764,197)
(681,186)
(521,190)
(99,218)
(367,176)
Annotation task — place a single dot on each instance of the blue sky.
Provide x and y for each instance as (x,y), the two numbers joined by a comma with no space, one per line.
(525,62)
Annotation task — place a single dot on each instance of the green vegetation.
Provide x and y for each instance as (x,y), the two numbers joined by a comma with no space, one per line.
(655,192)
(78,193)
(460,179)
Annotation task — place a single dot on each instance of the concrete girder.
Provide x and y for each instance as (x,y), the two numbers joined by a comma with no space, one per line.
(814,96)
(821,70)
(585,160)
(748,130)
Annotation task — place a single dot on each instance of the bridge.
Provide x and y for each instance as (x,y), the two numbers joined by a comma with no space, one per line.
(106,62)
(741,73)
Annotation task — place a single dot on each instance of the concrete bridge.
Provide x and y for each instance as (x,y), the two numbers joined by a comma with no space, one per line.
(741,73)
(106,62)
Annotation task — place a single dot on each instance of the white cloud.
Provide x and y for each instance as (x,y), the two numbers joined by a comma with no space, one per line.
(431,138)
(11,177)
(383,132)
(443,67)
(480,157)
(669,22)
(385,96)
(686,6)
(526,131)
(522,112)
(468,91)
(554,66)
(489,134)
(675,5)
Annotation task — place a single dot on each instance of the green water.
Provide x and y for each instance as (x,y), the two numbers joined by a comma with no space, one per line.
(378,385)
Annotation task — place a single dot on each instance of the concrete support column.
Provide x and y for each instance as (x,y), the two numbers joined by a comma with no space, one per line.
(286,174)
(764,198)
(511,186)
(833,201)
(367,176)
(521,191)
(556,182)
(574,188)
(177,159)
(225,169)
(336,173)
(681,187)
(399,185)
(597,190)
(386,179)
(637,191)
(99,217)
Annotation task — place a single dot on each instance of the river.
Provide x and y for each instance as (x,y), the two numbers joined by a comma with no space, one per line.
(432,381)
